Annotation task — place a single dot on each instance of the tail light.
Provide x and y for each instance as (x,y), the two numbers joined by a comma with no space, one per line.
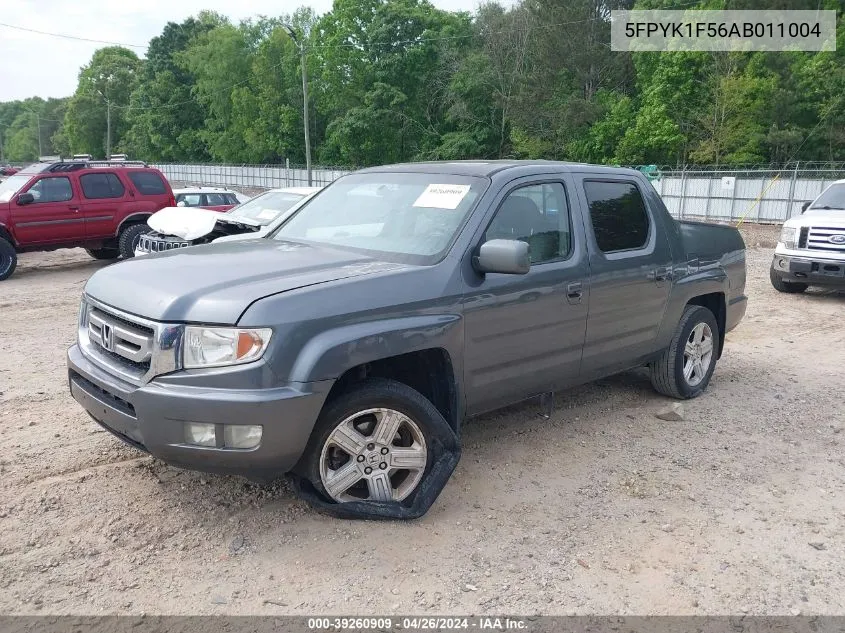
(172,201)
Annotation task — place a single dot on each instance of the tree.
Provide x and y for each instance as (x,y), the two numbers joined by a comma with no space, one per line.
(103,93)
(165,121)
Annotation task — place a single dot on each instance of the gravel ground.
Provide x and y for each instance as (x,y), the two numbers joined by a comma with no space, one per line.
(601,509)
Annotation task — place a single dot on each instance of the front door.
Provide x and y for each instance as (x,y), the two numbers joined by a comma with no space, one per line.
(54,217)
(524,333)
(630,274)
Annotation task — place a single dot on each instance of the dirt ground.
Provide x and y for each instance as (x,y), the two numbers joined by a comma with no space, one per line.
(602,509)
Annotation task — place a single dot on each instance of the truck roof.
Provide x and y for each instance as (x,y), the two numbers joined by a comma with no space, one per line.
(490,167)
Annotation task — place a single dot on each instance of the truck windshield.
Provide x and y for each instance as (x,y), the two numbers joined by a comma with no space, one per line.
(832,198)
(12,185)
(266,207)
(410,217)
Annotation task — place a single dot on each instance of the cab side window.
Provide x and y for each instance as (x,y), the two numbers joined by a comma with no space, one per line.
(215,199)
(538,215)
(98,186)
(190,199)
(618,214)
(53,189)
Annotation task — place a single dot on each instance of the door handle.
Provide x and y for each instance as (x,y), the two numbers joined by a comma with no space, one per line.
(661,274)
(74,209)
(574,292)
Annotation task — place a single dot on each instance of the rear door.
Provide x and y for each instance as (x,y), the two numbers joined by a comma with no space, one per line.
(103,195)
(630,273)
(54,217)
(152,190)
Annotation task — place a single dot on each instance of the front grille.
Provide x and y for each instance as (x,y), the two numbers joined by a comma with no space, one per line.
(130,347)
(152,243)
(802,236)
(131,343)
(818,239)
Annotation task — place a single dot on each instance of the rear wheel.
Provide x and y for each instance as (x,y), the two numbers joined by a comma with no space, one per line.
(103,253)
(372,444)
(780,285)
(129,237)
(8,259)
(686,366)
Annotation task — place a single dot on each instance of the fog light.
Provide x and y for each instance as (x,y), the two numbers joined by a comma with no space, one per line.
(200,434)
(241,435)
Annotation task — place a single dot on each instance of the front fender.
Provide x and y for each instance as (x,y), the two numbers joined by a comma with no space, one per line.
(329,354)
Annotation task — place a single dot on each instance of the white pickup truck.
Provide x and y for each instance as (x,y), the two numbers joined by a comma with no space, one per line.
(811,248)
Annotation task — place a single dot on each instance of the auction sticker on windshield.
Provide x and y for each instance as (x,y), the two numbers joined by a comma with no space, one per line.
(442,196)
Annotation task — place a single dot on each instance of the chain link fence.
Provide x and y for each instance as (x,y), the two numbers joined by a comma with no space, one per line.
(765,196)
(249,177)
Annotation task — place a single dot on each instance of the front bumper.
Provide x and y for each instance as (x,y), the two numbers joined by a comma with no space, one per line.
(152,417)
(809,269)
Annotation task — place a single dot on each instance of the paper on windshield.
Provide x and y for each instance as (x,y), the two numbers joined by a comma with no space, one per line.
(267,214)
(442,196)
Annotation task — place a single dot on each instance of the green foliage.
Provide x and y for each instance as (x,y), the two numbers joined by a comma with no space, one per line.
(21,123)
(398,80)
(104,90)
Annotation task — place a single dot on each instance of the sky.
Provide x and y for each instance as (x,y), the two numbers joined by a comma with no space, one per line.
(44,66)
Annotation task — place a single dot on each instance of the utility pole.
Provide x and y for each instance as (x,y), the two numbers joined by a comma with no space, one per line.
(108,129)
(105,97)
(38,129)
(301,45)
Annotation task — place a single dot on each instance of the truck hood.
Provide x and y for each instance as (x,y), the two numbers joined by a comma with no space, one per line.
(833,218)
(190,223)
(215,284)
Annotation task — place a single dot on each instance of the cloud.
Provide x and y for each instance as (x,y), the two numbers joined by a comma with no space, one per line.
(39,65)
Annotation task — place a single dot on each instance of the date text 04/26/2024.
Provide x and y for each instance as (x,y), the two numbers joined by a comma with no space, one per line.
(416,623)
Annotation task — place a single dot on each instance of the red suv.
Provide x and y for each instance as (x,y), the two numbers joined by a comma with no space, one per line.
(100,206)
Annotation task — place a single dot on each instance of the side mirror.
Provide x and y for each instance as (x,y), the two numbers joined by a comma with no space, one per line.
(181,203)
(805,205)
(25,198)
(503,256)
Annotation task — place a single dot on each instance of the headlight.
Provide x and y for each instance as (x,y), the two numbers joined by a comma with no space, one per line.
(787,236)
(221,346)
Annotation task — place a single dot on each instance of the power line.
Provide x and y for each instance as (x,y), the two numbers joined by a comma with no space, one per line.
(70,37)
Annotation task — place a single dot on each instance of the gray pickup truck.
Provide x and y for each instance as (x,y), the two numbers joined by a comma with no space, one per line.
(348,347)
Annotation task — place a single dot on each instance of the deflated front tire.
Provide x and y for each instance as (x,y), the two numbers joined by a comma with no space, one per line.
(381,450)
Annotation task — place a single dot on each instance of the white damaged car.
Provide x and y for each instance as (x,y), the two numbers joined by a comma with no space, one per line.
(180,227)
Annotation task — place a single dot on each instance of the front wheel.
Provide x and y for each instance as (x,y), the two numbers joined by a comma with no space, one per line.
(8,259)
(129,238)
(686,366)
(780,285)
(374,444)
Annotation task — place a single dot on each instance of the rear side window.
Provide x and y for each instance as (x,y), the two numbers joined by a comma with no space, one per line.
(106,185)
(618,213)
(148,182)
(216,199)
(231,199)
